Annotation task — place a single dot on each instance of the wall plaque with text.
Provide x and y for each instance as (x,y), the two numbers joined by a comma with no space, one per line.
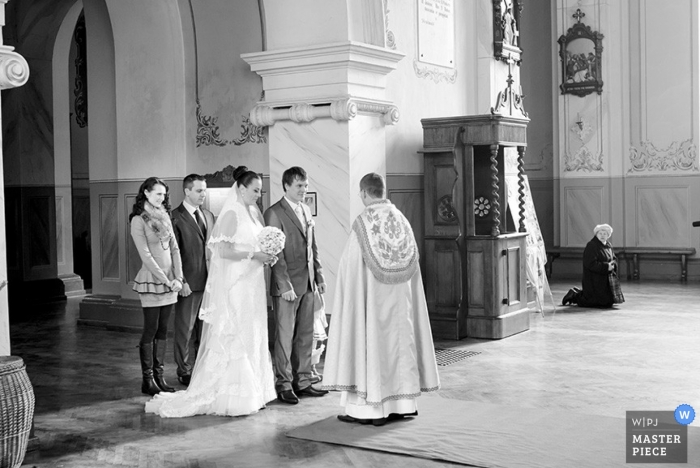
(436,32)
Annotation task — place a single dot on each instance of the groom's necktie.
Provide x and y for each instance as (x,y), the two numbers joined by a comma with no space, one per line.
(300,214)
(200,223)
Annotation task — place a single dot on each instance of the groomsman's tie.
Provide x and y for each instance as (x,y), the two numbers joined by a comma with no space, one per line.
(200,223)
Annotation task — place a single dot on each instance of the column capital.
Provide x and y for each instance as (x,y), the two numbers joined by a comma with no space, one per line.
(341,109)
(338,69)
(14,69)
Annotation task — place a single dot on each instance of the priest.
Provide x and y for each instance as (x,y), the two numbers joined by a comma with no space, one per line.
(380,353)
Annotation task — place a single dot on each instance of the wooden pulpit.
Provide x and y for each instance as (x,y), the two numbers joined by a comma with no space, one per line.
(474,252)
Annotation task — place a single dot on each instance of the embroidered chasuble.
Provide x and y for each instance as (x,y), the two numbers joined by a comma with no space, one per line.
(380,346)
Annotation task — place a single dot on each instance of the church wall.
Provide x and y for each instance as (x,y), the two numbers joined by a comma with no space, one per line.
(34,245)
(423,90)
(227,88)
(628,156)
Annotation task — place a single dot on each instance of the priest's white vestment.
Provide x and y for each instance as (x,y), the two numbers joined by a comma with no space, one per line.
(380,349)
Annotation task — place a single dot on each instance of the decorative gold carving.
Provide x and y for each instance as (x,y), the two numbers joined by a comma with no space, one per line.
(678,156)
(448,76)
(208,131)
(583,160)
(14,70)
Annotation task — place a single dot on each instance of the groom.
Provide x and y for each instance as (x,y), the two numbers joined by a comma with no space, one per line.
(295,277)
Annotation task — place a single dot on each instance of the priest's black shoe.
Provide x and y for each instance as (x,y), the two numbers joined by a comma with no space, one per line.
(312,392)
(287,396)
(349,419)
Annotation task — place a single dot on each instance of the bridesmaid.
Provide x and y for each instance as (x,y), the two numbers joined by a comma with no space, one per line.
(159,279)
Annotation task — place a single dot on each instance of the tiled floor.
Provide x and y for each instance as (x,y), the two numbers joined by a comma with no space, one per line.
(642,356)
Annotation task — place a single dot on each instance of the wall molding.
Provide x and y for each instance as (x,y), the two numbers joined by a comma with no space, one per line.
(678,156)
(346,109)
(434,73)
(583,161)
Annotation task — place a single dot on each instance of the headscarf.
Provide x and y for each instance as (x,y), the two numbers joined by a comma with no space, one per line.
(603,227)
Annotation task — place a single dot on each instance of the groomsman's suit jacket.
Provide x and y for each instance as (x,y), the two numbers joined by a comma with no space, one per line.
(193,245)
(298,266)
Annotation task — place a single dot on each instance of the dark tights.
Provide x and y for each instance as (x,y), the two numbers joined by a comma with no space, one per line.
(155,323)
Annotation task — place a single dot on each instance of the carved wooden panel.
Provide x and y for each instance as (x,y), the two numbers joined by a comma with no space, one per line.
(109,245)
(512,277)
(133,261)
(476,281)
(41,231)
(443,278)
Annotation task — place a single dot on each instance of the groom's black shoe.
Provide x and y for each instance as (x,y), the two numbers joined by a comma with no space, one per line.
(185,379)
(312,392)
(287,396)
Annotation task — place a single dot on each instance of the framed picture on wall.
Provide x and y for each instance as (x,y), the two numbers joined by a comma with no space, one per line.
(580,51)
(311,202)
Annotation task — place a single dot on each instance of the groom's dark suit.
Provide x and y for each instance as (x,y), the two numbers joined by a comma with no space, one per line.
(298,268)
(193,252)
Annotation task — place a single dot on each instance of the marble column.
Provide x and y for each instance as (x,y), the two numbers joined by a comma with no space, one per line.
(326,112)
(14,72)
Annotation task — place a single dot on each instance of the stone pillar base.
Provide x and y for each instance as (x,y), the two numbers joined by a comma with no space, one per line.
(72,284)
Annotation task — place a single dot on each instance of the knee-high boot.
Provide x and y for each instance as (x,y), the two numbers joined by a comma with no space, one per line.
(158,365)
(149,386)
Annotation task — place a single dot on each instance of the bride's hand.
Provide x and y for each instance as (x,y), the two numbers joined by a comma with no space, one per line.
(264,258)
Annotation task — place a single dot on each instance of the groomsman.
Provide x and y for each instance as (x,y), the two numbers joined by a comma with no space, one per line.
(192,225)
(295,277)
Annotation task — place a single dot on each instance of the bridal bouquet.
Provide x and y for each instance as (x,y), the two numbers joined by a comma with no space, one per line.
(271,240)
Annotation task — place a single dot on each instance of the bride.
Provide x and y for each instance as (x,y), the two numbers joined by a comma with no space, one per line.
(233,374)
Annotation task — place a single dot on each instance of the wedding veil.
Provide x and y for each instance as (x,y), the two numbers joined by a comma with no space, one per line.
(229,233)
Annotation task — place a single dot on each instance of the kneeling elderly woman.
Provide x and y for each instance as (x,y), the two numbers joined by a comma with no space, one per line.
(601,286)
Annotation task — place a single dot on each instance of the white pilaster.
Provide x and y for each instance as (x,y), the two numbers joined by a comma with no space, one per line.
(14,72)
(326,110)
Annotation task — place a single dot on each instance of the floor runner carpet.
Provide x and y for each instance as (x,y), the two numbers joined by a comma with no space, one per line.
(493,436)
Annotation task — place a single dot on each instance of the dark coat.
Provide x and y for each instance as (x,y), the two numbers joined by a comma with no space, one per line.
(596,282)
(193,245)
(298,266)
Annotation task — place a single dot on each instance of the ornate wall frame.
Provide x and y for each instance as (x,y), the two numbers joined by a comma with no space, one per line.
(506,29)
(580,51)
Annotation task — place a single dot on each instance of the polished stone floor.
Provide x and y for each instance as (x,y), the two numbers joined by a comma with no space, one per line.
(89,413)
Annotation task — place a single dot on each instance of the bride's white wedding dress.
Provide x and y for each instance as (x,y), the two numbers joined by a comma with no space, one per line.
(233,373)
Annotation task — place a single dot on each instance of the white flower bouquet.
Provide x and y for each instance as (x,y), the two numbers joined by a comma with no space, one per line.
(271,240)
